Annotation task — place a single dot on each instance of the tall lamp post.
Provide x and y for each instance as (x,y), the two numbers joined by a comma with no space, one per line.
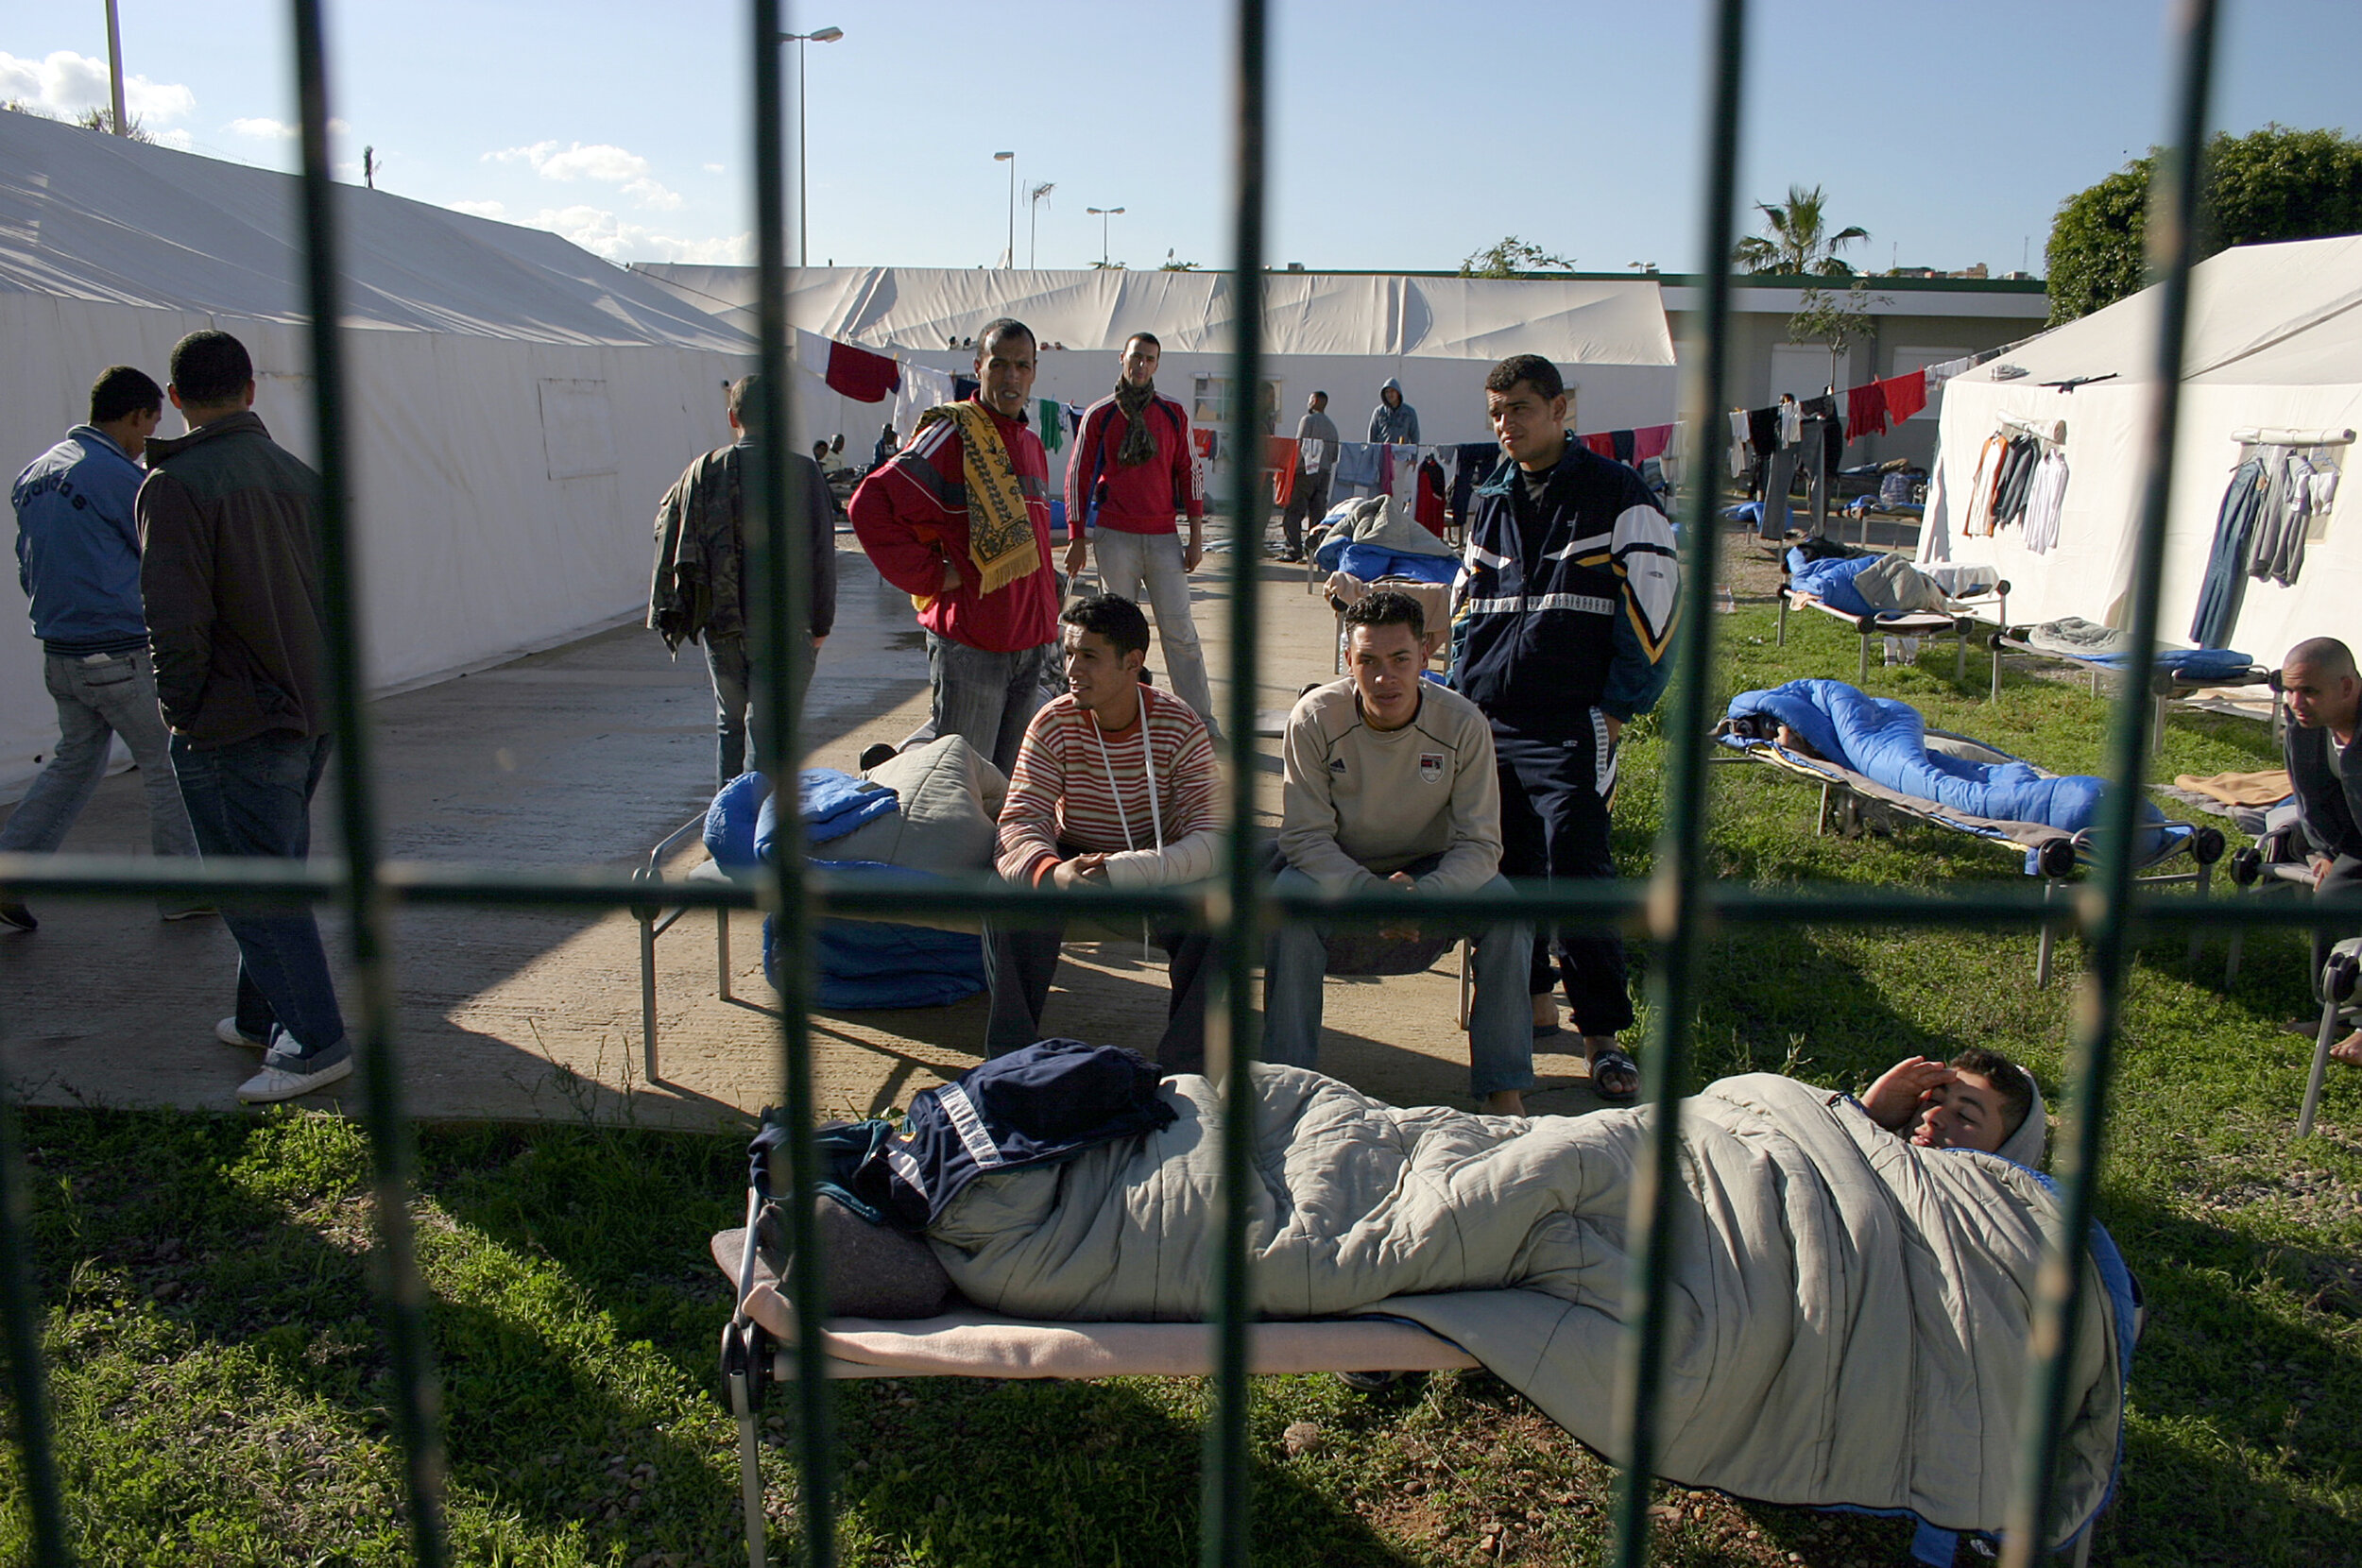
(1103,214)
(1010,159)
(803,145)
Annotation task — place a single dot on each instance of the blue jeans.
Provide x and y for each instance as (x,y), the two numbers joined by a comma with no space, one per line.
(1500,1022)
(254,798)
(987,698)
(100,696)
(737,747)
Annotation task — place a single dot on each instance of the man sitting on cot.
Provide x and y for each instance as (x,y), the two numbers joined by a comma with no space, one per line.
(2324,760)
(1114,786)
(1390,782)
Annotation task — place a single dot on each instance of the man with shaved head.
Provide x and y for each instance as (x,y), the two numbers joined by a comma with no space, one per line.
(2324,697)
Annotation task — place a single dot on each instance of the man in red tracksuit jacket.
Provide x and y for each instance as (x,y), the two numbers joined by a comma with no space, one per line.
(985,651)
(1132,473)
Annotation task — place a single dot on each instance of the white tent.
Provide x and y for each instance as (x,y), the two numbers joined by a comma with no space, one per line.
(2275,342)
(1344,334)
(517,403)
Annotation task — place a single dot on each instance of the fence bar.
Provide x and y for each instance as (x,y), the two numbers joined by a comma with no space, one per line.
(27,1387)
(776,518)
(2061,1300)
(402,1294)
(1677,912)
(1224,1510)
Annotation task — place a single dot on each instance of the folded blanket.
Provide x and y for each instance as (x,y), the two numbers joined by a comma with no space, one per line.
(2267,788)
(2076,637)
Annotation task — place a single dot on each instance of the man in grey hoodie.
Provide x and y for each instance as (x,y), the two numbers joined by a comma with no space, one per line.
(1316,459)
(1394,421)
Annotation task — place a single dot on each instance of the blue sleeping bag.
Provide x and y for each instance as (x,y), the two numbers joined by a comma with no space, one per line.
(1887,742)
(1831,581)
(1370,562)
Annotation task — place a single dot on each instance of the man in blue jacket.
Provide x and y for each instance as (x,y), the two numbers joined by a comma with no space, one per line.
(77,555)
(1568,595)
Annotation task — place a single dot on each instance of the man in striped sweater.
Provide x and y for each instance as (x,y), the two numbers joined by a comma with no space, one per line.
(1114,787)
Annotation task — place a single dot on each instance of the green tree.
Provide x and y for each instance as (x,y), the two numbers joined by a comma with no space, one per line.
(1796,240)
(1513,258)
(1836,317)
(2268,185)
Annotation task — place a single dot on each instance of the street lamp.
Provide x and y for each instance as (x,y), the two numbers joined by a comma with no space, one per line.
(1103,214)
(1010,159)
(804,151)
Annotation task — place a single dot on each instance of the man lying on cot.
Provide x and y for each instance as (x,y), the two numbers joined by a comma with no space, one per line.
(1978,1099)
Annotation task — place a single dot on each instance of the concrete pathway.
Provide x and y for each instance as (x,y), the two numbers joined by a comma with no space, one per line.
(592,751)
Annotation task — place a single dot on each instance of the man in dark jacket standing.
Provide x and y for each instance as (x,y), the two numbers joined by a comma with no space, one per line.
(230,572)
(2325,769)
(698,588)
(1317,446)
(1567,604)
(77,551)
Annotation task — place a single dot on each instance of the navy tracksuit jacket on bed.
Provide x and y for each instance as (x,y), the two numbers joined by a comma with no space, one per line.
(1568,599)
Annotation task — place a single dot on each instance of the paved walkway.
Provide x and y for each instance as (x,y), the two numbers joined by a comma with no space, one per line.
(592,751)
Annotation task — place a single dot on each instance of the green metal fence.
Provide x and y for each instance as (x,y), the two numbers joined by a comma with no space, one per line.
(1677,907)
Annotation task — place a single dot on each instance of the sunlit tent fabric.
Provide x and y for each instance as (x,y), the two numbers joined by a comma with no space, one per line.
(519,404)
(1344,334)
(2275,341)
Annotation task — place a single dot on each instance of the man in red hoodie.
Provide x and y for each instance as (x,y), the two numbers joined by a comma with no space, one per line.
(1132,471)
(959,520)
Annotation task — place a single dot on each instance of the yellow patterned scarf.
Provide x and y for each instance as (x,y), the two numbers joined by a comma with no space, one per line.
(1000,530)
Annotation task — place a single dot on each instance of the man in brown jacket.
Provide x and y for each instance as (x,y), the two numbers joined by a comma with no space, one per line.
(230,574)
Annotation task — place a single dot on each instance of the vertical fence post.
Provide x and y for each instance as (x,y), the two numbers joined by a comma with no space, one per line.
(1223,1515)
(28,1387)
(1675,912)
(776,511)
(416,1398)
(2062,1300)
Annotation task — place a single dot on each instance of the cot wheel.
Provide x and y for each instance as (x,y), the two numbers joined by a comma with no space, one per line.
(2057,858)
(2338,979)
(2208,845)
(2247,866)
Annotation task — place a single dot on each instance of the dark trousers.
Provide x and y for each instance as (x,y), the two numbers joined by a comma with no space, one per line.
(1020,961)
(1554,826)
(254,798)
(2344,876)
(1306,504)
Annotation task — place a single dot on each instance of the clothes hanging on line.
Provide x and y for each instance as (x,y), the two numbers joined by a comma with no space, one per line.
(1049,423)
(1474,462)
(1279,458)
(1428,511)
(2046,496)
(1402,473)
(1791,421)
(921,389)
(2225,584)
(1650,441)
(1977,503)
(1357,469)
(1823,408)
(1906,395)
(1865,410)
(1738,443)
(2302,484)
(2017,480)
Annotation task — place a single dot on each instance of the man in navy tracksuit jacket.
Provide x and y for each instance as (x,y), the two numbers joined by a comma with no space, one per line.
(1567,597)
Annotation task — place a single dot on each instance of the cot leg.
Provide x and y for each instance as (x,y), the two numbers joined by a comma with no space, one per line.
(2050,939)
(1960,655)
(722,953)
(1467,982)
(1994,695)
(1782,641)
(647,992)
(2082,1551)
(2321,1042)
(2157,735)
(2230,960)
(1861,674)
(1821,827)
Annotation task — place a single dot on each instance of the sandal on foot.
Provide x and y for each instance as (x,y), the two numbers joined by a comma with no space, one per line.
(1614,1077)
(2348,1051)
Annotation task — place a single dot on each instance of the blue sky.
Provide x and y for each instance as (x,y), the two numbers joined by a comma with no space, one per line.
(1405,136)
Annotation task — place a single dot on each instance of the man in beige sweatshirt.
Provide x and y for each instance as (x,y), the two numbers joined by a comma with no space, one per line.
(1391,781)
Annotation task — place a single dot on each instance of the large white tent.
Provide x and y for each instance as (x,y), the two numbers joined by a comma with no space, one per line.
(517,403)
(2275,343)
(1344,334)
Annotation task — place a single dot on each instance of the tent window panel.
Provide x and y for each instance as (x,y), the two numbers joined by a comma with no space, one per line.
(577,429)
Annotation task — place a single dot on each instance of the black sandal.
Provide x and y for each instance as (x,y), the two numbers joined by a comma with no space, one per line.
(1613,1061)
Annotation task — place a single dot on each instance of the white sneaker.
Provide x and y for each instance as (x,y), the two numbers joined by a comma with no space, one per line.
(285,1077)
(227,1032)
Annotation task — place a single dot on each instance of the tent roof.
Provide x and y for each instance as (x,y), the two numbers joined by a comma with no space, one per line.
(1572,321)
(2260,316)
(86,215)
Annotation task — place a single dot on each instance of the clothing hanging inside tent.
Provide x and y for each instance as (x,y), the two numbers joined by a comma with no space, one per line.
(2046,496)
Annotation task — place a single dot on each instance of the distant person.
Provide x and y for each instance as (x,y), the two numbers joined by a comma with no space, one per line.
(1133,475)
(77,555)
(1566,627)
(698,588)
(888,443)
(2325,769)
(1114,787)
(1316,460)
(229,574)
(1388,781)
(1394,421)
(959,520)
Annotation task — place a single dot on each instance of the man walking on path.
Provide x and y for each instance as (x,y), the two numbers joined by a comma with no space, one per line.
(1389,781)
(230,572)
(698,588)
(1568,600)
(1132,473)
(1316,459)
(1393,422)
(2325,770)
(959,520)
(78,552)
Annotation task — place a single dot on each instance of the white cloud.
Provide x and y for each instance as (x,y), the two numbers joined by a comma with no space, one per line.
(711,168)
(477,208)
(68,83)
(604,234)
(600,162)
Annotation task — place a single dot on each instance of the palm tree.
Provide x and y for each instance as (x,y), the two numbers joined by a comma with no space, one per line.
(1795,239)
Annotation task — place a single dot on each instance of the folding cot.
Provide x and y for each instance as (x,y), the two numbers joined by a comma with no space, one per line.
(1869,625)
(2169,682)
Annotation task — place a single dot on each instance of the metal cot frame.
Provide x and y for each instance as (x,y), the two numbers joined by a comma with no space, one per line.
(1675,906)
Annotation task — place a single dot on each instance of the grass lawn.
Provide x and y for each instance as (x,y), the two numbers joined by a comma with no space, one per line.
(220,1392)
